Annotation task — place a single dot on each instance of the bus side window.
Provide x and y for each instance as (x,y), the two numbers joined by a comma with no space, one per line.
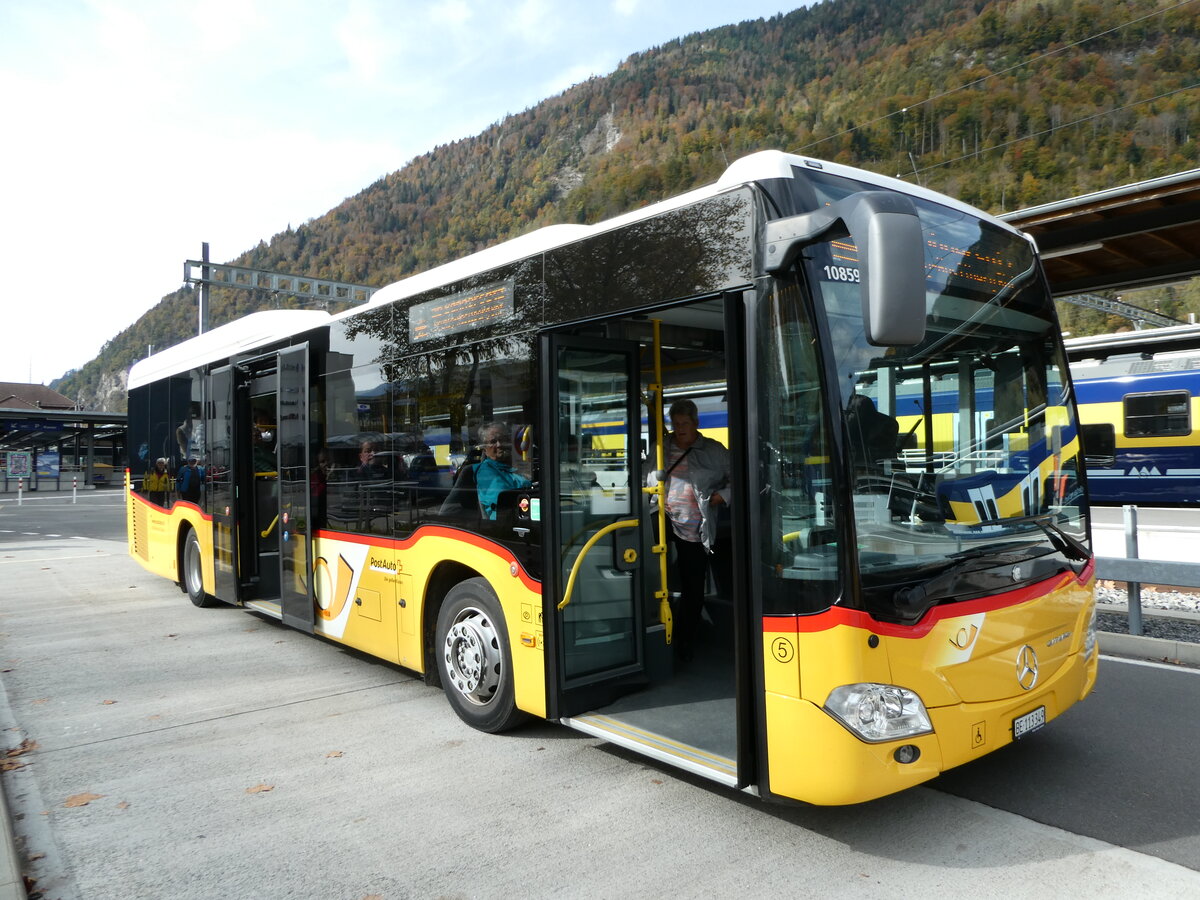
(463,500)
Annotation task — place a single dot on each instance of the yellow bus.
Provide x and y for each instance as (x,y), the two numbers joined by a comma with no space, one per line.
(879,603)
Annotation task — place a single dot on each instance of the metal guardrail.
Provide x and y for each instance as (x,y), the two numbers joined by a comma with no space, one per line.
(1135,572)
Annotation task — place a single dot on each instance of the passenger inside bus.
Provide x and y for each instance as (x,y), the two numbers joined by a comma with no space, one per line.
(370,466)
(479,485)
(157,482)
(698,485)
(873,435)
(262,436)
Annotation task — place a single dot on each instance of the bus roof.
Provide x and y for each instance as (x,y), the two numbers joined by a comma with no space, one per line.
(226,340)
(756,167)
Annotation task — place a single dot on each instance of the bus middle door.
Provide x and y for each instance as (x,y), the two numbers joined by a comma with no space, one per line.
(592,478)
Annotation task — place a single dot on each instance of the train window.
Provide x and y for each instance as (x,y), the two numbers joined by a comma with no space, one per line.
(1099,444)
(1159,414)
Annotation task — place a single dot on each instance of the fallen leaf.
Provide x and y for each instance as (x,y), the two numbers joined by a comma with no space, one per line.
(37,856)
(26,746)
(172,635)
(108,702)
(41,700)
(124,804)
(260,789)
(10,765)
(333,754)
(81,799)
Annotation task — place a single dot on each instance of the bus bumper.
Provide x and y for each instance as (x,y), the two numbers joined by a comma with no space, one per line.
(815,759)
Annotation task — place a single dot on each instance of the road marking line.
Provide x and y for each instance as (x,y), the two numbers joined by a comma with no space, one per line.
(9,562)
(1150,665)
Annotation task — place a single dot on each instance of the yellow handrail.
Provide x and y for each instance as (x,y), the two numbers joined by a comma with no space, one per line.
(660,489)
(270,527)
(624,523)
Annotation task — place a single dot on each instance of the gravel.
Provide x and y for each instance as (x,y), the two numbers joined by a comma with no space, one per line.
(1170,614)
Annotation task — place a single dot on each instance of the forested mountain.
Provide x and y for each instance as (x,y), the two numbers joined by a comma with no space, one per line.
(1002,103)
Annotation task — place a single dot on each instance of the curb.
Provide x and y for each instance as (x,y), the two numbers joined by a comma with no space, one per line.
(1158,649)
(12,884)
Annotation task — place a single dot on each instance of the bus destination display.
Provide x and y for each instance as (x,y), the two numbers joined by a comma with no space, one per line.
(463,311)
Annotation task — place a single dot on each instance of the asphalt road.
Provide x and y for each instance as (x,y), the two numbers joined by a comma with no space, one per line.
(189,753)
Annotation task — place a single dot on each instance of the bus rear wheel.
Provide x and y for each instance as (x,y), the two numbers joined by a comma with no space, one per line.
(474,660)
(193,571)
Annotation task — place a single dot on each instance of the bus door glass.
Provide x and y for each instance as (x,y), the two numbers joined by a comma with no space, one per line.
(219,476)
(293,529)
(261,513)
(594,478)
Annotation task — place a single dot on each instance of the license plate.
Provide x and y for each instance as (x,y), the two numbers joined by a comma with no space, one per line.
(1029,723)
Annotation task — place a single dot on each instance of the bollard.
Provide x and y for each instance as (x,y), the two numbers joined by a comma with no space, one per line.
(75,489)
(1135,589)
(20,489)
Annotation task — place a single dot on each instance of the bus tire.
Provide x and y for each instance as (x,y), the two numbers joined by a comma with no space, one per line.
(193,571)
(474,660)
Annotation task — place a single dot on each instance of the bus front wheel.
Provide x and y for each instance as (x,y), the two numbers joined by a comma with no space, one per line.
(474,659)
(193,571)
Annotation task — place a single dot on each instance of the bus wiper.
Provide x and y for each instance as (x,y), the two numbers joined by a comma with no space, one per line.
(1068,545)
(976,559)
(991,550)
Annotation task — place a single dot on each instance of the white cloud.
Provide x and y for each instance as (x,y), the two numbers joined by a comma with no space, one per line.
(455,13)
(136,129)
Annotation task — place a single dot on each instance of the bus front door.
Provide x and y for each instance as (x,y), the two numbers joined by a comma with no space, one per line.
(592,474)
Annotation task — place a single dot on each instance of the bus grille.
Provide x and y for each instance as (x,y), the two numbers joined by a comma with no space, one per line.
(137,531)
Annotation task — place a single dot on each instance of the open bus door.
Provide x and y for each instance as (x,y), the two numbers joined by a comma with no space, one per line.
(595,530)
(222,496)
(259,485)
(295,528)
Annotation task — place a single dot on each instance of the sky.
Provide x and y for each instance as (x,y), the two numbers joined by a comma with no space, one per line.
(135,130)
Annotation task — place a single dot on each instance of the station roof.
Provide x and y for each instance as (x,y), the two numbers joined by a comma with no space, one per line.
(32,415)
(1137,235)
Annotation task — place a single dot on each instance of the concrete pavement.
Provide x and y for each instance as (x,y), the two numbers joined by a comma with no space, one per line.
(542,779)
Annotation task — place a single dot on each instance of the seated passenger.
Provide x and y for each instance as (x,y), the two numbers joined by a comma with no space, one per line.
(485,479)
(873,435)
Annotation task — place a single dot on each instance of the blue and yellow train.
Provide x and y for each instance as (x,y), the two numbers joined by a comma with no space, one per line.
(1139,402)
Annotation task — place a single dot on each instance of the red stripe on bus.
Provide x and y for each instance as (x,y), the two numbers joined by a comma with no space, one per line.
(138,497)
(439,531)
(857,618)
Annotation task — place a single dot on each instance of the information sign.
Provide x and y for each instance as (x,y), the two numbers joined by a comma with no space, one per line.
(463,311)
(20,464)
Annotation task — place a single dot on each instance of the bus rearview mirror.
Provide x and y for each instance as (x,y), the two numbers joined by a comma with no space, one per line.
(891,258)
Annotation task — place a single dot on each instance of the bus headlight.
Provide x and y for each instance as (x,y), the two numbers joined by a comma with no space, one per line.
(879,712)
(1089,639)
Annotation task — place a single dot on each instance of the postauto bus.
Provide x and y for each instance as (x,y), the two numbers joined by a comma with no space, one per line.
(901,583)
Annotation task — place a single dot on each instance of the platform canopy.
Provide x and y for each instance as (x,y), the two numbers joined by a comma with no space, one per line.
(1137,235)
